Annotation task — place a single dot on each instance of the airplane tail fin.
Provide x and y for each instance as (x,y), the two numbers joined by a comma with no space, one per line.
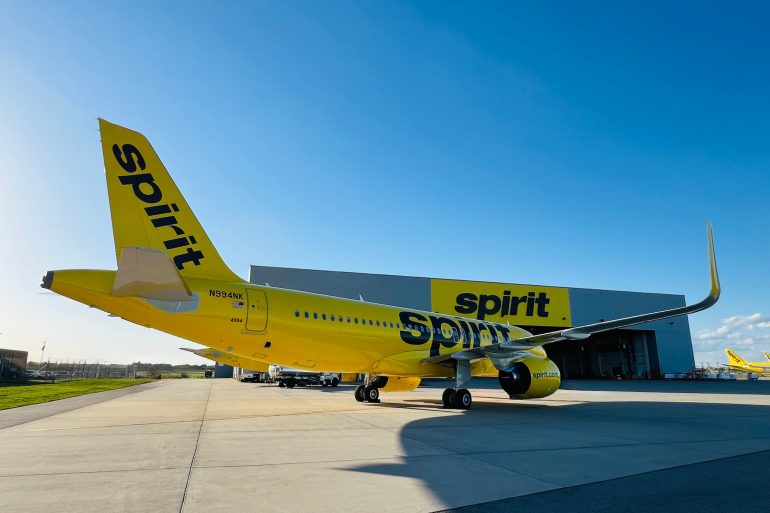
(767,354)
(148,211)
(733,358)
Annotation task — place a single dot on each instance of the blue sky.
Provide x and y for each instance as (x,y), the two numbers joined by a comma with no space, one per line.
(577,144)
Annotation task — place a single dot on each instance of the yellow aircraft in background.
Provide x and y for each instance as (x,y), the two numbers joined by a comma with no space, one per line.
(171,278)
(230,359)
(738,363)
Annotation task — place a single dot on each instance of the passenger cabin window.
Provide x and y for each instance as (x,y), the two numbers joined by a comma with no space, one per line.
(323,317)
(296,313)
(315,315)
(355,320)
(307,315)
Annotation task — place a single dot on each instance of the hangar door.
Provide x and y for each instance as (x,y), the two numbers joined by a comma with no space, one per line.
(256,313)
(629,354)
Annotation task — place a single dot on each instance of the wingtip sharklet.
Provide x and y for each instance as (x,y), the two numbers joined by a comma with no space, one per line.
(715,287)
(583,332)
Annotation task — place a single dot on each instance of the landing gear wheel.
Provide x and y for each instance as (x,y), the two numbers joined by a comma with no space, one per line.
(447,397)
(281,384)
(372,394)
(290,384)
(359,394)
(324,384)
(335,382)
(462,399)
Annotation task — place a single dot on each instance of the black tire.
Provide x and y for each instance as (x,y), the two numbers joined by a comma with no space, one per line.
(359,394)
(290,384)
(446,397)
(281,384)
(335,382)
(324,384)
(462,399)
(372,394)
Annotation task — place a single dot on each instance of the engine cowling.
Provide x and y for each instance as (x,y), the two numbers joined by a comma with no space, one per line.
(395,383)
(530,378)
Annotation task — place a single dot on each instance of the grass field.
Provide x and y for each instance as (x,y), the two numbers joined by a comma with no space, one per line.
(13,395)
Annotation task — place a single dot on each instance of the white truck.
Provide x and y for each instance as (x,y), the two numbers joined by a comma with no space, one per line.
(289,377)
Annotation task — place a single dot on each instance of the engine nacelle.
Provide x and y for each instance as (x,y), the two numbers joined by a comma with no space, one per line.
(530,378)
(395,383)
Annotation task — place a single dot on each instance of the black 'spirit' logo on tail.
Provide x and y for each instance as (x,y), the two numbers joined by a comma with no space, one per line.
(146,190)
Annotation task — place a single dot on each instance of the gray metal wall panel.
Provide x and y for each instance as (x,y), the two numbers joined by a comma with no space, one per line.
(672,335)
(406,291)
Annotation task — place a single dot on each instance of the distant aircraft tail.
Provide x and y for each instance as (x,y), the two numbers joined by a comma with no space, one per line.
(767,355)
(734,359)
(148,211)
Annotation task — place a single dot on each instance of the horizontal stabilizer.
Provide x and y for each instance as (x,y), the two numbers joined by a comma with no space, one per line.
(149,273)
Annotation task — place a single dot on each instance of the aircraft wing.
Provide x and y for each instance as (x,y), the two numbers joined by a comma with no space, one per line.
(513,348)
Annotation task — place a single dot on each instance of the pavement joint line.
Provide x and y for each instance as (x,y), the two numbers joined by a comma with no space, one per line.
(165,422)
(109,426)
(452,454)
(78,472)
(195,451)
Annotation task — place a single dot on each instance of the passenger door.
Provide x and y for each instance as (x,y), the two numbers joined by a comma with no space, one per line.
(256,313)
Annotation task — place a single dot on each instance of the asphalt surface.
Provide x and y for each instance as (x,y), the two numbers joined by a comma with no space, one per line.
(189,446)
(729,484)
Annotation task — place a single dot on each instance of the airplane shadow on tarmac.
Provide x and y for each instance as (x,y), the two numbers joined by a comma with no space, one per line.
(506,449)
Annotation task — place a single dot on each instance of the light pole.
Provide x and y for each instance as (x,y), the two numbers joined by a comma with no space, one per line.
(42,352)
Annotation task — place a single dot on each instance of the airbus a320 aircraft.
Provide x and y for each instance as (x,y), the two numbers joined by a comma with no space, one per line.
(171,278)
(738,363)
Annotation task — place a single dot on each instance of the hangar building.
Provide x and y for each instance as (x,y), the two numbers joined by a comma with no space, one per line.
(13,363)
(646,351)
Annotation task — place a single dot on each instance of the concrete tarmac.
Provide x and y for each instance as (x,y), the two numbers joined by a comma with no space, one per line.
(220,445)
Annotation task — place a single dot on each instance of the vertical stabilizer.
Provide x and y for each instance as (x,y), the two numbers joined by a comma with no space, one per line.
(734,359)
(148,211)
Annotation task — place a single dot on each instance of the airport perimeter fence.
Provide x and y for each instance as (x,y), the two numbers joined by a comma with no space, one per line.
(66,370)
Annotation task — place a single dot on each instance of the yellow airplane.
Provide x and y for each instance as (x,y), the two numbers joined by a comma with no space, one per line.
(171,278)
(738,363)
(233,360)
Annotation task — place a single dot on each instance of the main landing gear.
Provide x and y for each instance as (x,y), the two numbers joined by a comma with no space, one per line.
(367,393)
(460,399)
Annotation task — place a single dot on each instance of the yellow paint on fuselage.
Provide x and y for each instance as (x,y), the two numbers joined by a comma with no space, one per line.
(290,338)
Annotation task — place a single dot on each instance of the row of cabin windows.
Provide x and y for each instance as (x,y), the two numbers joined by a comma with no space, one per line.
(384,324)
(340,318)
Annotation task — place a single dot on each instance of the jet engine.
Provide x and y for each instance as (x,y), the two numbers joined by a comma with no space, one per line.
(530,378)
